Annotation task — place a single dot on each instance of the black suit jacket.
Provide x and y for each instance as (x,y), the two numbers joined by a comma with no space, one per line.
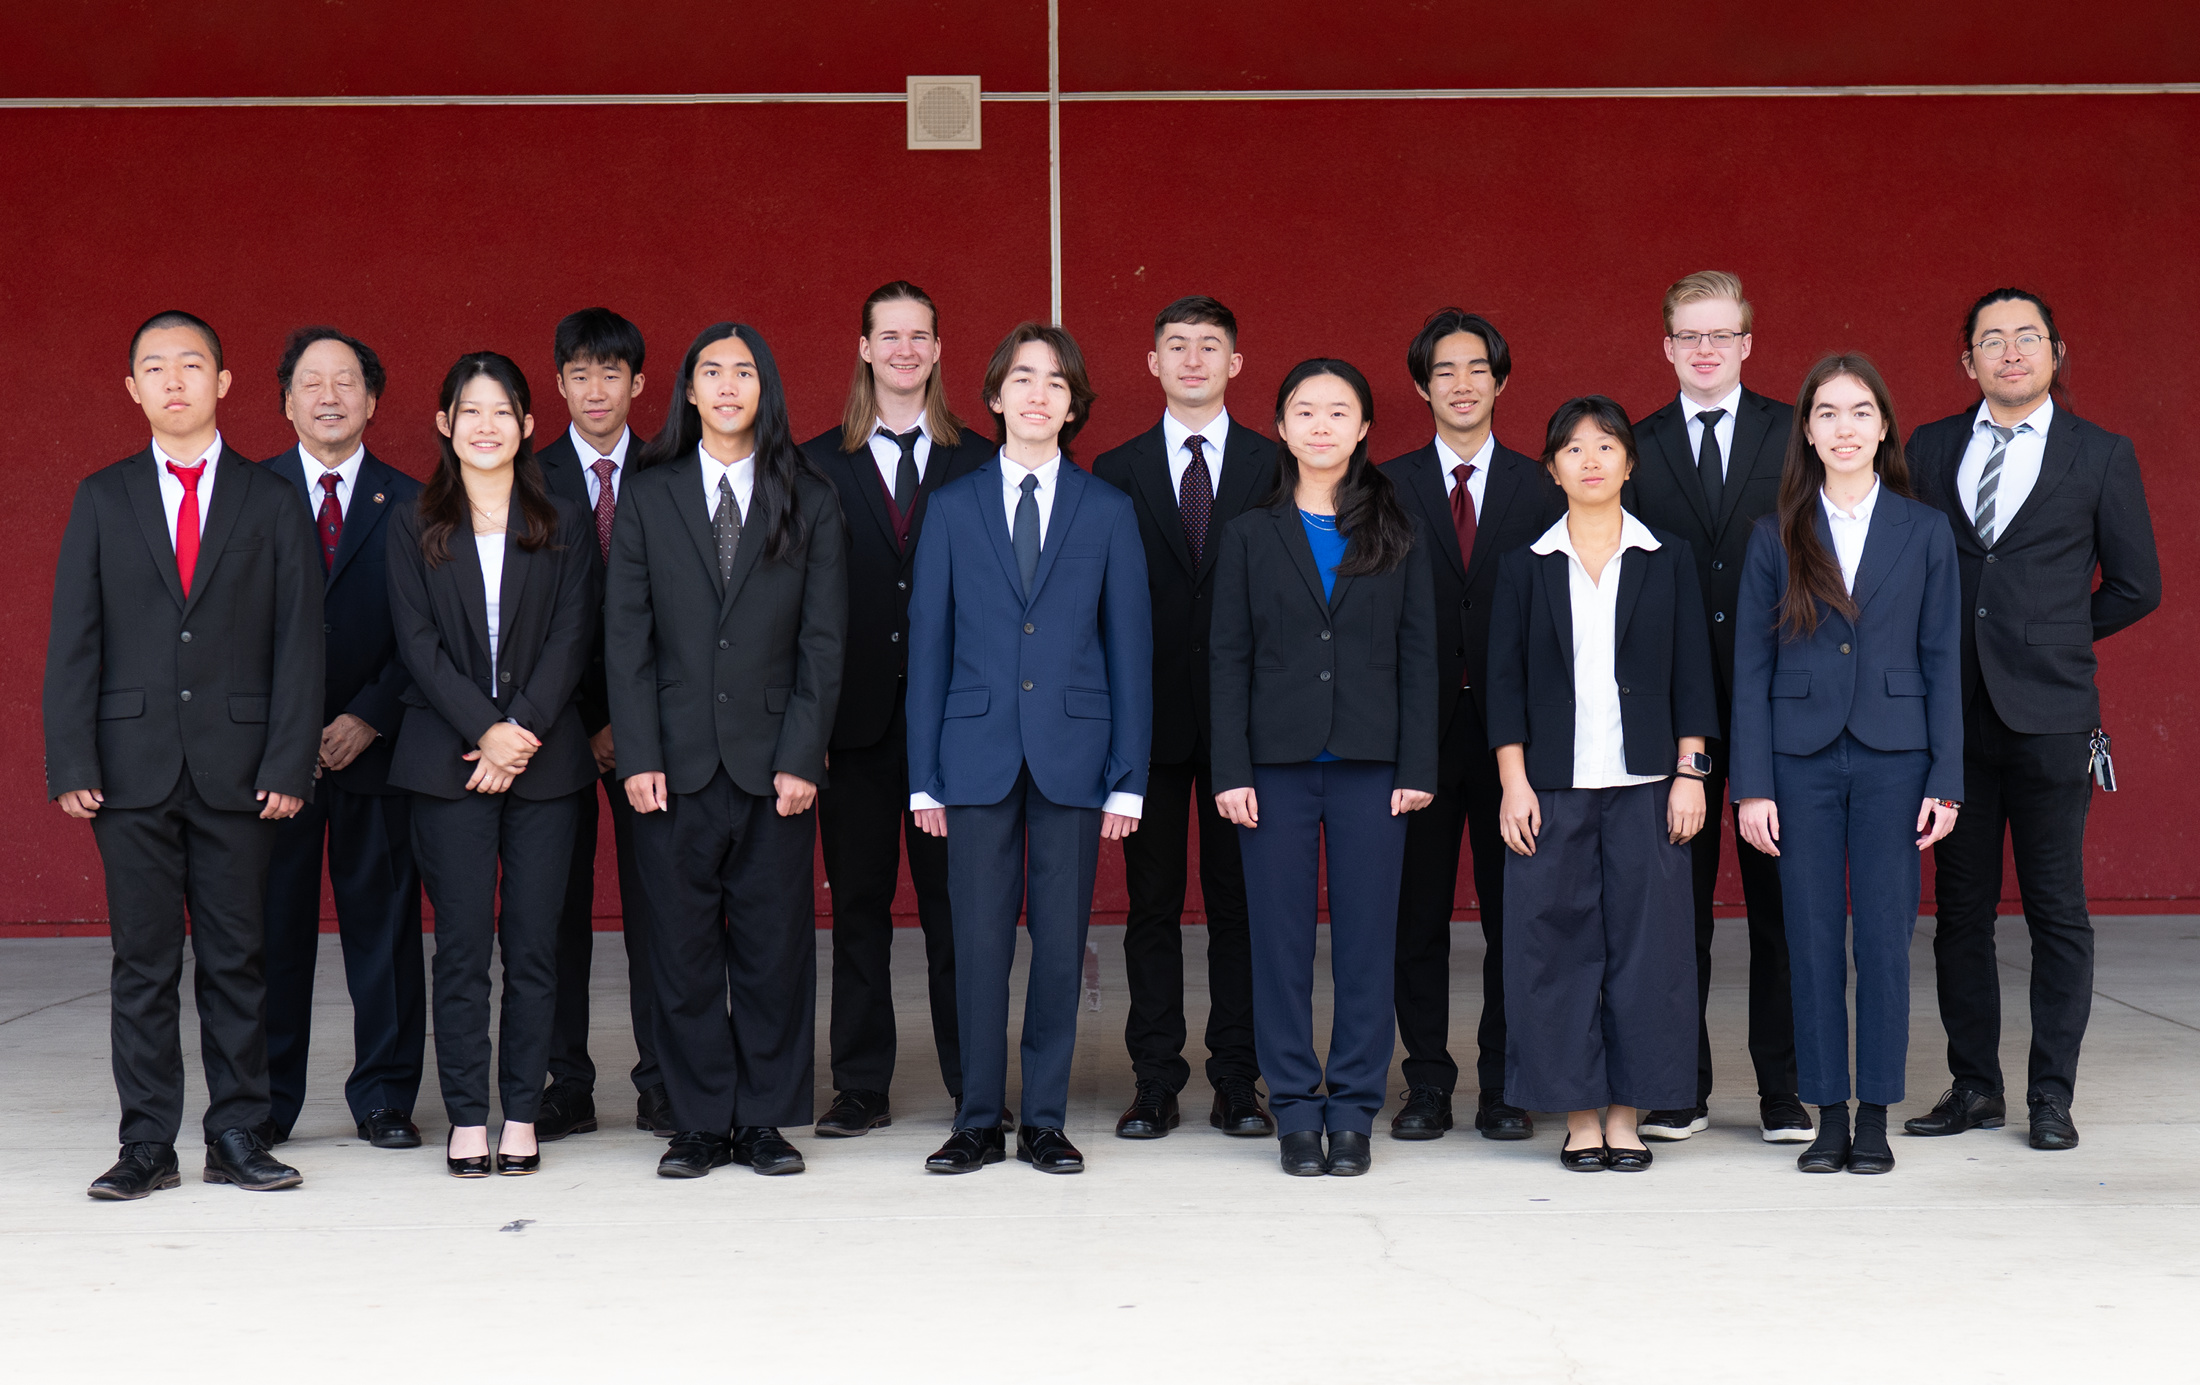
(1666,494)
(1183,597)
(1662,660)
(744,674)
(1519,502)
(2031,611)
(142,681)
(545,605)
(1295,675)
(879,576)
(364,677)
(561,476)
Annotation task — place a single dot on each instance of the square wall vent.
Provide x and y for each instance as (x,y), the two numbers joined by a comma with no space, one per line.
(943,113)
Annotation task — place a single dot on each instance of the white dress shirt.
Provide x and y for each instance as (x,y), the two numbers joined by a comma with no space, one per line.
(1128,805)
(886,453)
(1600,745)
(491,549)
(1478,480)
(1850,529)
(346,473)
(742,474)
(171,489)
(2020,464)
(587,453)
(1175,440)
(1692,415)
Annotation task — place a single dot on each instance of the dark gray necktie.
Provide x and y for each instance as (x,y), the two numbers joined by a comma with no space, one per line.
(726,526)
(1710,464)
(1024,535)
(905,475)
(1989,480)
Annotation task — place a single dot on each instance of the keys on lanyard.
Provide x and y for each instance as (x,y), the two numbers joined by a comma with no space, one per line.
(2100,764)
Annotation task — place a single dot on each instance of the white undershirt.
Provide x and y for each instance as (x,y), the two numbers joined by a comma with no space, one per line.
(585,451)
(886,452)
(346,473)
(1176,439)
(171,490)
(1850,529)
(742,474)
(1478,479)
(491,549)
(2020,464)
(1692,416)
(1600,742)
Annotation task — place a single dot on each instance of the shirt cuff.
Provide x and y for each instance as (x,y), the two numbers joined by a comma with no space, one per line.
(1125,805)
(918,802)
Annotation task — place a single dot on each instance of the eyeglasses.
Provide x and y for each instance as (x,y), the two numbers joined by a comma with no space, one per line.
(1994,348)
(1717,341)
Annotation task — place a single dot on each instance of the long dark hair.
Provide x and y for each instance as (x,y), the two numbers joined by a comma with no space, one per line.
(443,503)
(1813,575)
(860,415)
(1378,535)
(2047,320)
(778,461)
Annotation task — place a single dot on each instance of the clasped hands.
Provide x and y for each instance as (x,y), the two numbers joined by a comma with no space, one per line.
(1242,806)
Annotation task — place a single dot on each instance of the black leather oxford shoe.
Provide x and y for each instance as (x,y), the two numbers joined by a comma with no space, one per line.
(1302,1154)
(855,1112)
(1959,1110)
(2052,1127)
(1048,1150)
(692,1154)
(386,1128)
(652,1113)
(566,1110)
(145,1168)
(968,1150)
(1237,1109)
(1151,1114)
(1426,1114)
(236,1156)
(1349,1155)
(764,1149)
(1499,1119)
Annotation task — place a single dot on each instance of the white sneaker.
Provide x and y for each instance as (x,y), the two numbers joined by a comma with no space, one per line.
(1674,1125)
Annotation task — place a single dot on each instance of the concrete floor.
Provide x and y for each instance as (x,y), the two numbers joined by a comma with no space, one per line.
(1191,1257)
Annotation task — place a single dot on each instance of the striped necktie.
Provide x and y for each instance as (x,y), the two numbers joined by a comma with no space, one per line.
(1989,480)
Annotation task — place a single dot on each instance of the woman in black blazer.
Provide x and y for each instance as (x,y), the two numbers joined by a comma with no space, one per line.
(1600,701)
(1323,653)
(493,591)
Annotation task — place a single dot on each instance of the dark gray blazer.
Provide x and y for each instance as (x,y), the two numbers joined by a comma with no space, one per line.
(142,682)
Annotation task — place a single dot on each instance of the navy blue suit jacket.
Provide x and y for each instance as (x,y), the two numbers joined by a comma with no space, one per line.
(1893,678)
(1062,682)
(365,675)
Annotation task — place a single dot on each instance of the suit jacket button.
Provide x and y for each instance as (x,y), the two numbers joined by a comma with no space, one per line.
(1982,612)
(1030,629)
(721,697)
(1718,617)
(1717,565)
(187,694)
(1627,691)
(504,676)
(896,636)
(1027,685)
(187,634)
(1325,634)
(1325,675)
(1989,557)
(901,586)
(1468,603)
(725,644)
(1844,649)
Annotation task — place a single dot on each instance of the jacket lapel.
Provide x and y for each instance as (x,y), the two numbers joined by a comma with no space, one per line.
(2055,462)
(1070,481)
(1150,466)
(687,498)
(1671,431)
(1558,595)
(1883,543)
(1633,565)
(465,569)
(1425,487)
(1751,428)
(518,562)
(142,482)
(370,495)
(234,474)
(1292,531)
(936,466)
(1233,489)
(865,470)
(1509,471)
(993,516)
(1825,541)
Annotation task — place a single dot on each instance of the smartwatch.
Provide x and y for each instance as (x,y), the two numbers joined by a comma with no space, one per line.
(1696,765)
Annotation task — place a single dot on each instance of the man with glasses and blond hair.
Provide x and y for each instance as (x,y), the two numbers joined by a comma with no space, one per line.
(1710,468)
(2040,500)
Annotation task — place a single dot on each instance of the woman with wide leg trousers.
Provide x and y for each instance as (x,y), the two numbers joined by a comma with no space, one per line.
(1848,738)
(1323,654)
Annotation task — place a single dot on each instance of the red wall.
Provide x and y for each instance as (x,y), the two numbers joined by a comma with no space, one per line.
(1331,227)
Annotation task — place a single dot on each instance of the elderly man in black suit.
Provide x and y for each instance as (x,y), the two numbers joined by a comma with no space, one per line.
(183,715)
(330,384)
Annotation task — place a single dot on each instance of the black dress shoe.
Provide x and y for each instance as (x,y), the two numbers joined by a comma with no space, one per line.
(237,1156)
(1302,1154)
(1048,1150)
(652,1113)
(1151,1114)
(1426,1114)
(514,1165)
(473,1166)
(2051,1125)
(386,1128)
(692,1153)
(1829,1153)
(855,1112)
(1675,1124)
(566,1110)
(1237,1109)
(1783,1120)
(1349,1155)
(1499,1119)
(764,1149)
(1960,1110)
(1586,1160)
(269,1134)
(968,1150)
(1621,1159)
(145,1168)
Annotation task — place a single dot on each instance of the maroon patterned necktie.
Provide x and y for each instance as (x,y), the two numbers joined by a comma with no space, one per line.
(607,502)
(1195,499)
(331,522)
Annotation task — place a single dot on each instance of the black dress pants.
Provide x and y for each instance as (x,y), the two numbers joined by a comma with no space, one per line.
(732,901)
(864,820)
(1153,933)
(183,854)
(368,838)
(1771,997)
(569,1060)
(2037,791)
(461,843)
(1467,798)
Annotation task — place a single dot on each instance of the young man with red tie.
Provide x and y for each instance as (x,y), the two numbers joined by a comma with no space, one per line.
(183,718)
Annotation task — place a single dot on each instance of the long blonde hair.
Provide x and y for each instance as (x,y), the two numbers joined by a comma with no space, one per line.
(861,415)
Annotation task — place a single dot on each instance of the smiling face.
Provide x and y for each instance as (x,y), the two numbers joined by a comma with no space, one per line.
(1462,392)
(174,380)
(1322,423)
(2011,356)
(1034,402)
(328,402)
(1707,371)
(599,395)
(727,390)
(1846,427)
(1592,466)
(902,348)
(1195,362)
(485,426)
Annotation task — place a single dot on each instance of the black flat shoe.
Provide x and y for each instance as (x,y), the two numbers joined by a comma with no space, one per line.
(1302,1154)
(389,1129)
(1589,1160)
(1864,1161)
(1349,1155)
(1868,1149)
(1047,1149)
(693,1154)
(854,1112)
(478,1166)
(514,1165)
(146,1167)
(1620,1159)
(968,1150)
(764,1149)
(237,1156)
(1824,1155)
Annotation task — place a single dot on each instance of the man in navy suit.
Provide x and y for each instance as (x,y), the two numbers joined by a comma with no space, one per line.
(1030,710)
(330,383)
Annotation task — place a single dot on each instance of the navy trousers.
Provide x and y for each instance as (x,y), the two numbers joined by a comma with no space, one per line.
(1600,957)
(377,888)
(1024,854)
(1339,809)
(1848,842)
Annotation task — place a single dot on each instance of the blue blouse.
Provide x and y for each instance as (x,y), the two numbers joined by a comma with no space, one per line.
(1328,544)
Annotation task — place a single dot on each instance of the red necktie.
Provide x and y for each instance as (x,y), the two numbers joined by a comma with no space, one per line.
(187,521)
(331,521)
(1462,517)
(607,503)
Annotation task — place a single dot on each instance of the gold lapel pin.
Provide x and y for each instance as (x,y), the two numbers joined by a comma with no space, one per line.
(378,497)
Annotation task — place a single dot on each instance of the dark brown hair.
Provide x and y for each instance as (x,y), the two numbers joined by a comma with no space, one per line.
(860,415)
(1066,355)
(2047,320)
(443,503)
(1813,575)
(1377,532)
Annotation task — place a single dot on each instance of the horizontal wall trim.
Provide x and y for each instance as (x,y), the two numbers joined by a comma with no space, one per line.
(762,98)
